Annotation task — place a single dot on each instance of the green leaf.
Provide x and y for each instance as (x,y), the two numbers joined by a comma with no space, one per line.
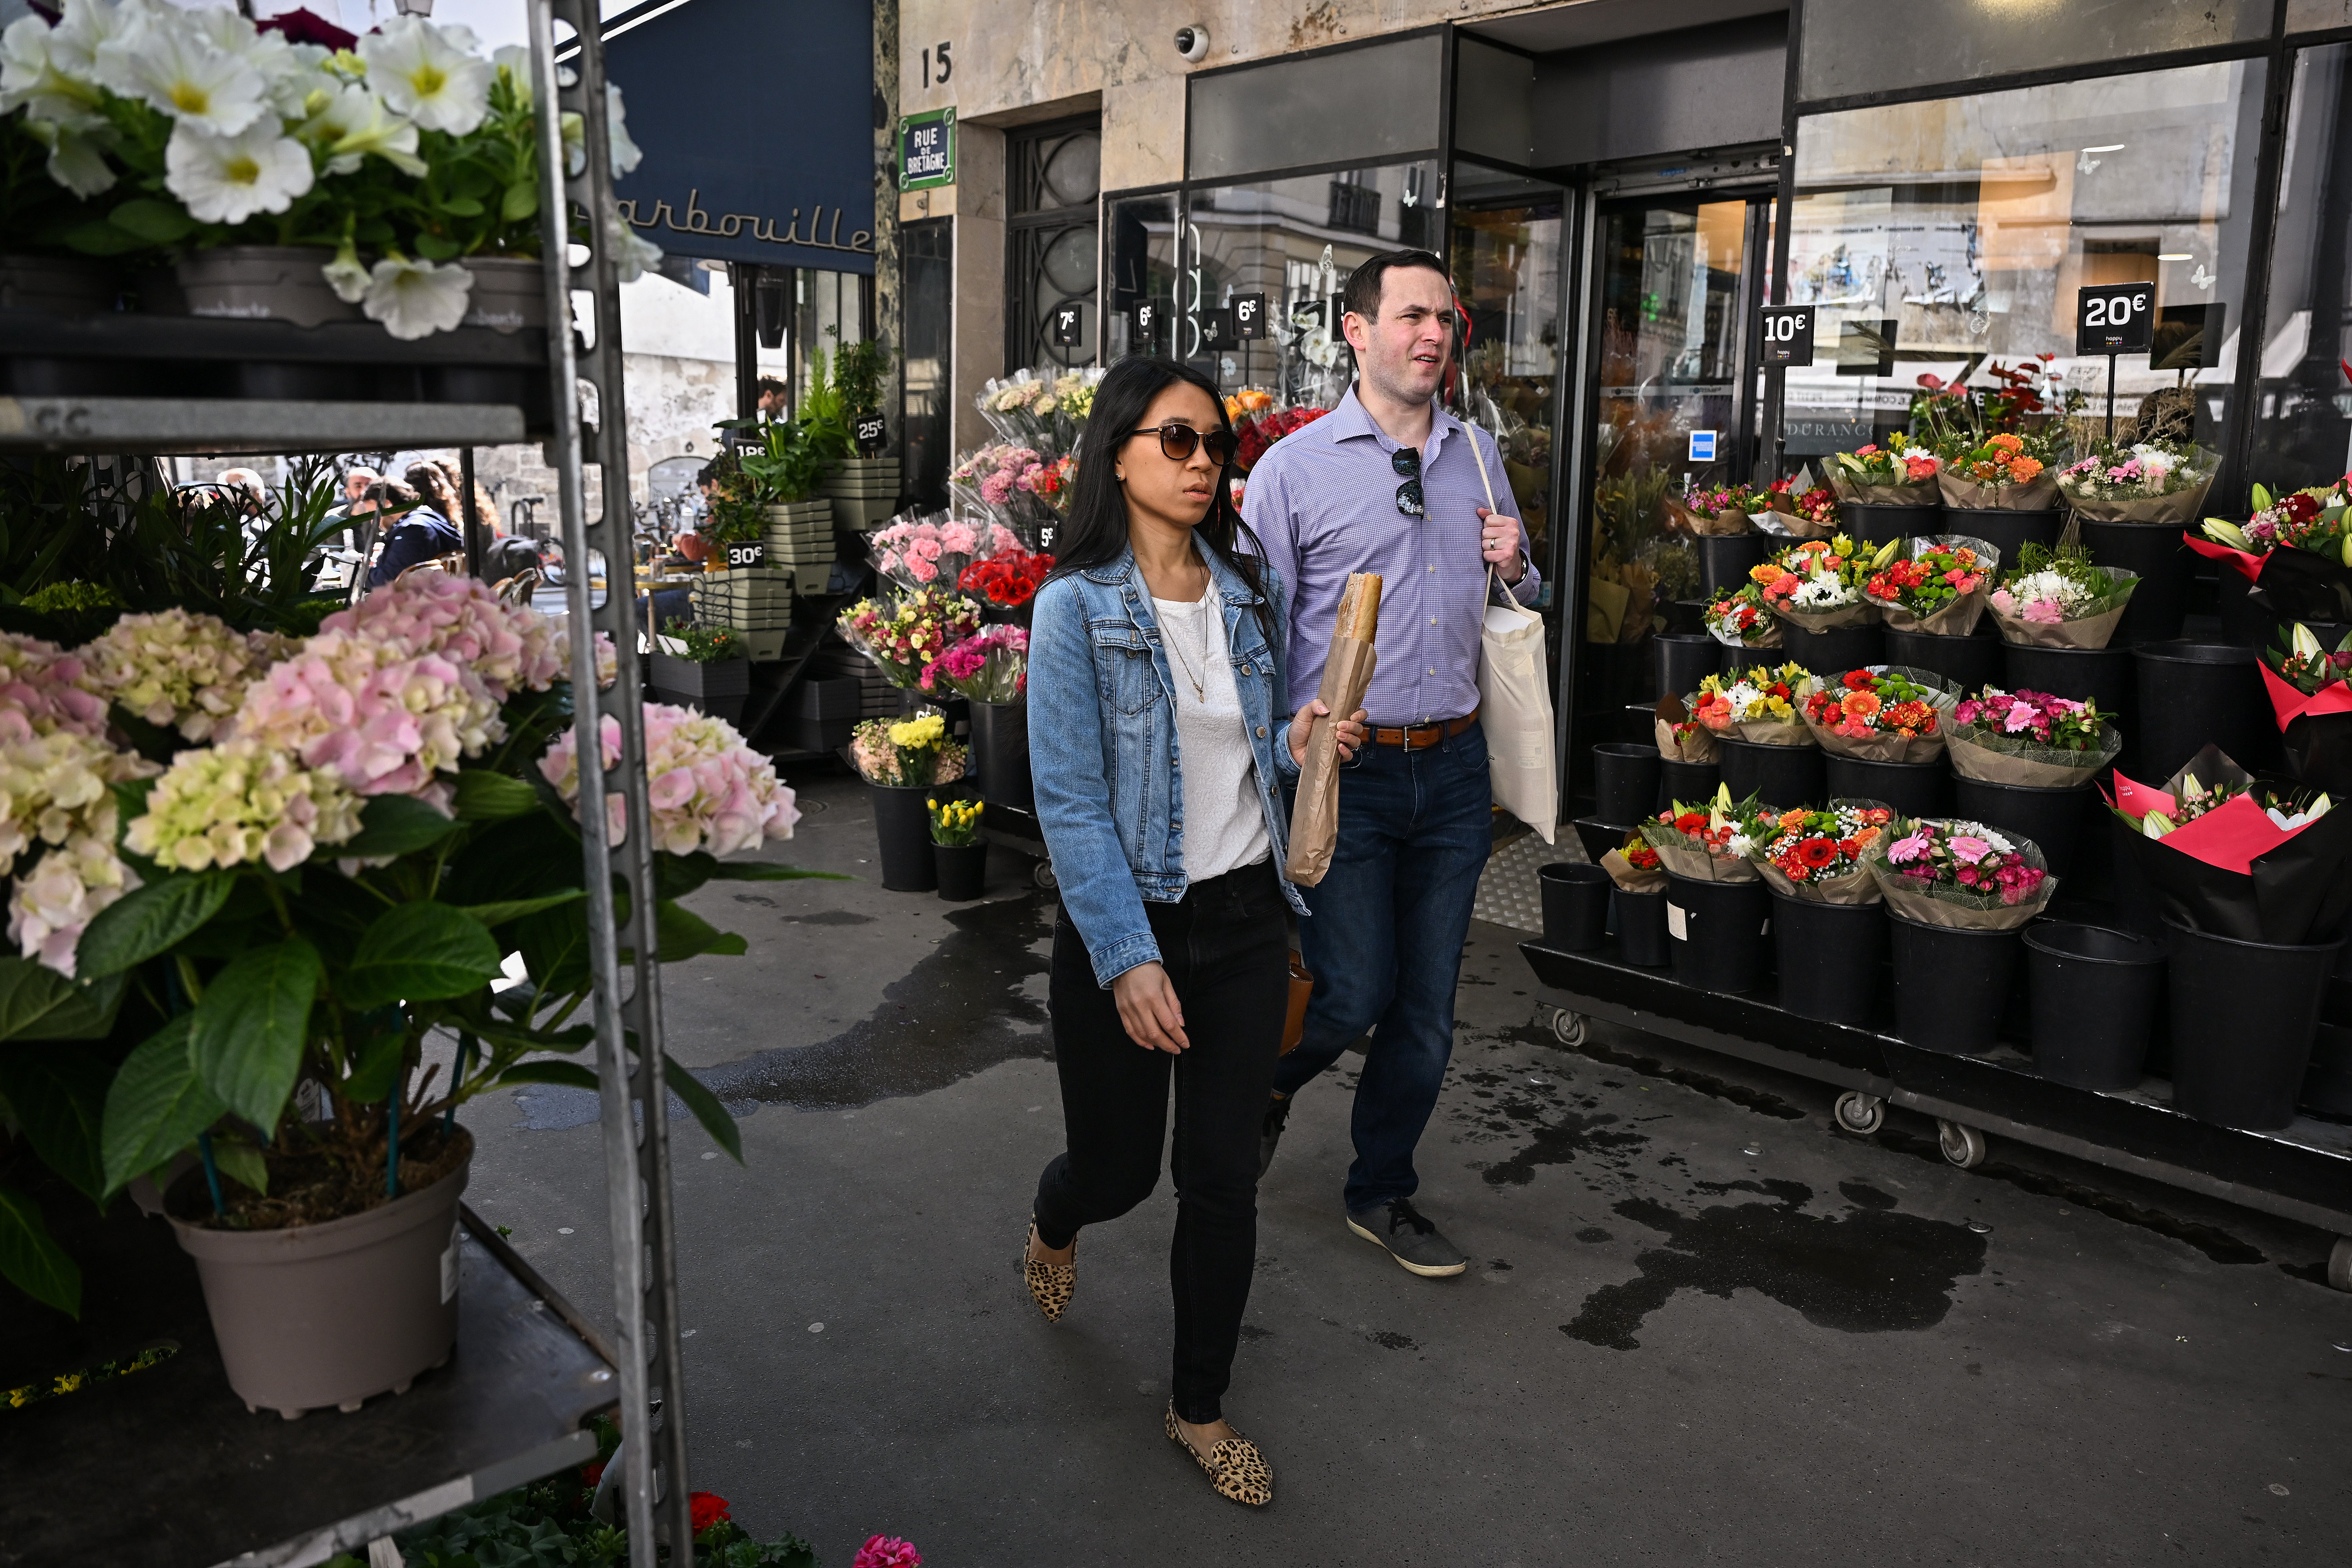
(156,1106)
(433,247)
(157,223)
(250,1028)
(679,934)
(570,1074)
(59,1100)
(499,914)
(485,796)
(37,1003)
(705,1105)
(31,1258)
(462,206)
(141,924)
(521,201)
(241,1163)
(375,1066)
(423,951)
(100,238)
(554,944)
(394,824)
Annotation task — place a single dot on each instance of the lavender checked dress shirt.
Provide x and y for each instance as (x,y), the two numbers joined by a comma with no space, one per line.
(1322,502)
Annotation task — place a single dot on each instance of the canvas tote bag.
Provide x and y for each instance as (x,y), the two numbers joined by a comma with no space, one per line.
(1515,699)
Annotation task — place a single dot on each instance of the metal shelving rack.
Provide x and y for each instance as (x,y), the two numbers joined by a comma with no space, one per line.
(587,428)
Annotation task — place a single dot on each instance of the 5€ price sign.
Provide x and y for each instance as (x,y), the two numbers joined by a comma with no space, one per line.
(1249,316)
(2115,319)
(1788,335)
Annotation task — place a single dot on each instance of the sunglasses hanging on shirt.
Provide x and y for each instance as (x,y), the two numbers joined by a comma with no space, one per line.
(1406,461)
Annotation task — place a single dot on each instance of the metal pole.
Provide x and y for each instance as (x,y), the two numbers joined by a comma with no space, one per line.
(2111,400)
(467,514)
(626,1006)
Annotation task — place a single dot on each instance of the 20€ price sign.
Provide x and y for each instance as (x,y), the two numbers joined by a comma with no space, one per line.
(2115,319)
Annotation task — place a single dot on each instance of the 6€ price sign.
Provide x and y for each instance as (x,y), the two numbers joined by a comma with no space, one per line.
(2115,319)
(1249,316)
(1788,335)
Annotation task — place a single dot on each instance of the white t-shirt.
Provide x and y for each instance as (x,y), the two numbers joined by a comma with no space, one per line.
(1224,822)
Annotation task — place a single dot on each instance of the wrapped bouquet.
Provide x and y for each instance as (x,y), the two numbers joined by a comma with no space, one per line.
(1899,473)
(1041,411)
(1009,578)
(2007,471)
(990,666)
(1796,510)
(906,751)
(2225,860)
(1704,843)
(1961,875)
(2161,482)
(1759,706)
(1680,737)
(906,634)
(1818,585)
(2030,738)
(1635,867)
(1817,856)
(2312,698)
(1886,713)
(1718,509)
(2056,598)
(1940,589)
(1738,619)
(936,549)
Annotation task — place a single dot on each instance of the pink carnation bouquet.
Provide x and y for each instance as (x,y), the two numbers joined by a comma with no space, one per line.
(936,549)
(990,666)
(1963,874)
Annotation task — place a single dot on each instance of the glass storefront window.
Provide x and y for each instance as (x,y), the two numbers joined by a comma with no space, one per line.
(1506,262)
(2302,404)
(1941,237)
(1139,266)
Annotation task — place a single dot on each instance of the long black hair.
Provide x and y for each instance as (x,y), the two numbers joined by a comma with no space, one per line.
(1096,534)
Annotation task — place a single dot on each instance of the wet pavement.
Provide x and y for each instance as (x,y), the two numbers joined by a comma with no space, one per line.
(1701,1324)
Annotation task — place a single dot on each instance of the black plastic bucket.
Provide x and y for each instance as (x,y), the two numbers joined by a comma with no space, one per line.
(1971,662)
(1914,789)
(2093,999)
(2242,620)
(2164,564)
(1640,921)
(1683,659)
(1875,522)
(2327,1081)
(2051,819)
(1835,651)
(2244,1015)
(1736,660)
(2006,529)
(1831,956)
(1784,776)
(2195,694)
(1575,905)
(1690,782)
(902,828)
(1719,933)
(1725,559)
(1951,987)
(1625,781)
(2100,675)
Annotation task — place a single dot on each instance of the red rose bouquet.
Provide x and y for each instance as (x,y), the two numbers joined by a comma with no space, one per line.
(1939,589)
(1817,856)
(1739,619)
(1635,867)
(2030,738)
(1962,875)
(1704,843)
(1886,713)
(1259,430)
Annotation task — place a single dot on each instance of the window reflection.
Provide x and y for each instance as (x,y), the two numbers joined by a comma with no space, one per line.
(1506,262)
(2303,432)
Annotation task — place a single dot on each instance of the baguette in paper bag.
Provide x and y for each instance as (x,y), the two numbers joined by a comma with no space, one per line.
(1315,814)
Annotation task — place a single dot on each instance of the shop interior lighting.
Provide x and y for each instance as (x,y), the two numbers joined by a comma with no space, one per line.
(2115,147)
(2175,256)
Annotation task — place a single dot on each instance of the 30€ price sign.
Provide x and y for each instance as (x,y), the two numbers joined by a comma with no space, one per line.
(741,555)
(1787,334)
(2115,319)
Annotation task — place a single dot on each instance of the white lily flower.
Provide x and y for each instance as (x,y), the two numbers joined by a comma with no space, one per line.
(429,73)
(634,255)
(354,123)
(227,179)
(41,77)
(416,298)
(345,275)
(182,74)
(77,154)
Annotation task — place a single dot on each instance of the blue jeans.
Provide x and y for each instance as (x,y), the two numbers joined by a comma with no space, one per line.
(1385,944)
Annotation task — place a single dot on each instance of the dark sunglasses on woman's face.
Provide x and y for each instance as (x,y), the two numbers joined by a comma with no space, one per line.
(1406,460)
(1177,442)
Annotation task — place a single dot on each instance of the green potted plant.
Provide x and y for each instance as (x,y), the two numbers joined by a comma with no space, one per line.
(904,760)
(777,500)
(958,849)
(703,666)
(864,490)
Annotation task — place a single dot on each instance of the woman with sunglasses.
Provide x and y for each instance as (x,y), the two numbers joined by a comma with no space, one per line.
(1153,738)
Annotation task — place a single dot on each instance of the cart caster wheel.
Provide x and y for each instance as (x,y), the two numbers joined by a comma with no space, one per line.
(1567,1028)
(1861,1113)
(1043,876)
(1963,1146)
(2339,1264)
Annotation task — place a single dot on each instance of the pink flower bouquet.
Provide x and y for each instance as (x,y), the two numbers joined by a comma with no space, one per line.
(937,549)
(991,667)
(1961,875)
(2030,738)
(906,634)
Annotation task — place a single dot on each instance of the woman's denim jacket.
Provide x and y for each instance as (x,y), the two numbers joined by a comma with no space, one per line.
(1103,753)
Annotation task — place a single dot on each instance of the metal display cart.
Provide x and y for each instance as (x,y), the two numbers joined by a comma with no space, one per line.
(166,1465)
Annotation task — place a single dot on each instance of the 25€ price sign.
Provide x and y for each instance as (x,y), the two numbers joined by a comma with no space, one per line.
(2115,319)
(1788,335)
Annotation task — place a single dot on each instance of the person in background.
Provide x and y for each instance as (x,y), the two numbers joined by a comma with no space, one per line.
(775,398)
(355,483)
(246,485)
(420,532)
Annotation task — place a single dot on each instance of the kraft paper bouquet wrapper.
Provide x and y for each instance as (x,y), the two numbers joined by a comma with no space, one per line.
(2180,508)
(1956,908)
(1847,488)
(1630,878)
(1959,618)
(2090,631)
(1315,814)
(1700,748)
(2039,493)
(1789,525)
(1681,519)
(1855,886)
(1978,752)
(1688,856)
(1942,696)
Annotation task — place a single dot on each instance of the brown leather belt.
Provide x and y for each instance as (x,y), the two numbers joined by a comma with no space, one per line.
(1420,737)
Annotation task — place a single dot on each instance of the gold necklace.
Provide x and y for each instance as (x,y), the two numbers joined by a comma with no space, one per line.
(1200,691)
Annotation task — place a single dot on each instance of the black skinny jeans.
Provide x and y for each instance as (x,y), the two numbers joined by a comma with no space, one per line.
(1225,949)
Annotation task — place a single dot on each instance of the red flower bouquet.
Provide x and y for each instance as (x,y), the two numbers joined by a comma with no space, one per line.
(1739,619)
(1260,430)
(1704,842)
(1886,713)
(1635,867)
(1805,514)
(1939,589)
(1817,856)
(1008,579)
(1961,875)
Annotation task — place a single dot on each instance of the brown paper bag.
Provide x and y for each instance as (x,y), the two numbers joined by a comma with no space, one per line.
(1315,815)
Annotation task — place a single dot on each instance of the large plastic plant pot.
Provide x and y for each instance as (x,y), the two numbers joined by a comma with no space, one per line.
(902,830)
(1831,956)
(2243,1016)
(2005,530)
(1575,905)
(1640,923)
(2164,564)
(1784,776)
(1835,651)
(1725,559)
(1000,754)
(1877,522)
(1625,781)
(1972,662)
(1720,934)
(2051,819)
(2192,695)
(1690,782)
(2091,996)
(1951,987)
(1914,789)
(961,869)
(2102,675)
(1683,659)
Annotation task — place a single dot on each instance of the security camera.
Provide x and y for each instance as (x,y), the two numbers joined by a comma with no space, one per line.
(1192,42)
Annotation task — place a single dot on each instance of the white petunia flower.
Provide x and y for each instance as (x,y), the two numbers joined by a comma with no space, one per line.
(77,156)
(354,123)
(87,24)
(346,276)
(183,74)
(39,76)
(515,61)
(416,298)
(429,73)
(227,179)
(634,255)
(627,153)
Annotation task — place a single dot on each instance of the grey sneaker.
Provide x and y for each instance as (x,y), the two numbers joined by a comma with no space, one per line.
(1269,1133)
(1410,1238)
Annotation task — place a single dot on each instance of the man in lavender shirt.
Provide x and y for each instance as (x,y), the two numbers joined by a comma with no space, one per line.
(1386,483)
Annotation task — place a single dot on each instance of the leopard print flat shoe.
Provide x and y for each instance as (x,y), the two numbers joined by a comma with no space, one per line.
(1236,1469)
(1050,1284)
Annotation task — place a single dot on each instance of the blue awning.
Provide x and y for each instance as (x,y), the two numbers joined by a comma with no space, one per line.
(757,121)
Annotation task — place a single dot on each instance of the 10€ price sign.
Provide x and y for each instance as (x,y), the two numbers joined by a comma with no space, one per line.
(1788,335)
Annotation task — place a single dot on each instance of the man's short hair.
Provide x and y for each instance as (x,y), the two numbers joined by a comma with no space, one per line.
(390,495)
(1362,295)
(769,384)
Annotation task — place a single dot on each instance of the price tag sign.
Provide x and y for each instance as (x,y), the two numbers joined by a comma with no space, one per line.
(2115,319)
(1147,317)
(1069,325)
(871,433)
(1788,335)
(1249,316)
(741,555)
